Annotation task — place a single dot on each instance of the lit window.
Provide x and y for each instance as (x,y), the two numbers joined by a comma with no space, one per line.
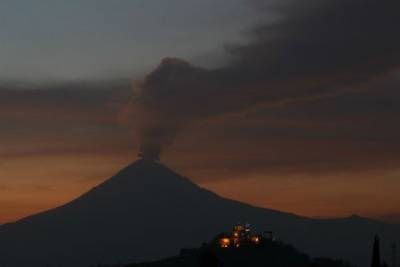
(224,242)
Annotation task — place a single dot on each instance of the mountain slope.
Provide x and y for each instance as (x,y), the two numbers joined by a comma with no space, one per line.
(147,212)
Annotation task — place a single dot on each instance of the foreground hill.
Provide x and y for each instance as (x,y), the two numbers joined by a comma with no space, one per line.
(148,212)
(267,253)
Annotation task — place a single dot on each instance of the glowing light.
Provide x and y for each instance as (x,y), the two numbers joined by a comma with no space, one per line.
(225,242)
(255,239)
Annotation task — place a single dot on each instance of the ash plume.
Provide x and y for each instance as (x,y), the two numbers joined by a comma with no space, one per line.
(315,48)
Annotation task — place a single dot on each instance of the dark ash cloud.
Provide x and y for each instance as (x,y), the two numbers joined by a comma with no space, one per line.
(315,48)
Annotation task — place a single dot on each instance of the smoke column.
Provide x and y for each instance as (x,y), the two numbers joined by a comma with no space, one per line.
(316,48)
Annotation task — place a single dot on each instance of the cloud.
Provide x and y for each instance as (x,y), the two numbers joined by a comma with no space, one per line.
(63,101)
(316,48)
(63,119)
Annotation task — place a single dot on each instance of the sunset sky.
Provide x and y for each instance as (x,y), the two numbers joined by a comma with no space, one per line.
(285,105)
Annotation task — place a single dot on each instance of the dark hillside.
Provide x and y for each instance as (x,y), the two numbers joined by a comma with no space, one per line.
(275,254)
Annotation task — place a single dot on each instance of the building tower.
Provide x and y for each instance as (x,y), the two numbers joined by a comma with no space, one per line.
(376,257)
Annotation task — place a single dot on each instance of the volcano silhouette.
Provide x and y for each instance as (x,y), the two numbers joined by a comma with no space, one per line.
(147,212)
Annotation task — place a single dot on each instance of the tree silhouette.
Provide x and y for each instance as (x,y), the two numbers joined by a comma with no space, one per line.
(376,257)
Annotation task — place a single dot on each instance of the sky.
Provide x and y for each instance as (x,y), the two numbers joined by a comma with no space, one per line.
(286,105)
(93,39)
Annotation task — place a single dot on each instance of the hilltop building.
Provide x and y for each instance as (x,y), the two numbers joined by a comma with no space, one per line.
(240,235)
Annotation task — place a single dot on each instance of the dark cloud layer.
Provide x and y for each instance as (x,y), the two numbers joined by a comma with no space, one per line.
(62,118)
(316,48)
(63,102)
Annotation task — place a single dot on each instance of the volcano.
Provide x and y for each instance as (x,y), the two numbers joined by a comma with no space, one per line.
(148,212)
